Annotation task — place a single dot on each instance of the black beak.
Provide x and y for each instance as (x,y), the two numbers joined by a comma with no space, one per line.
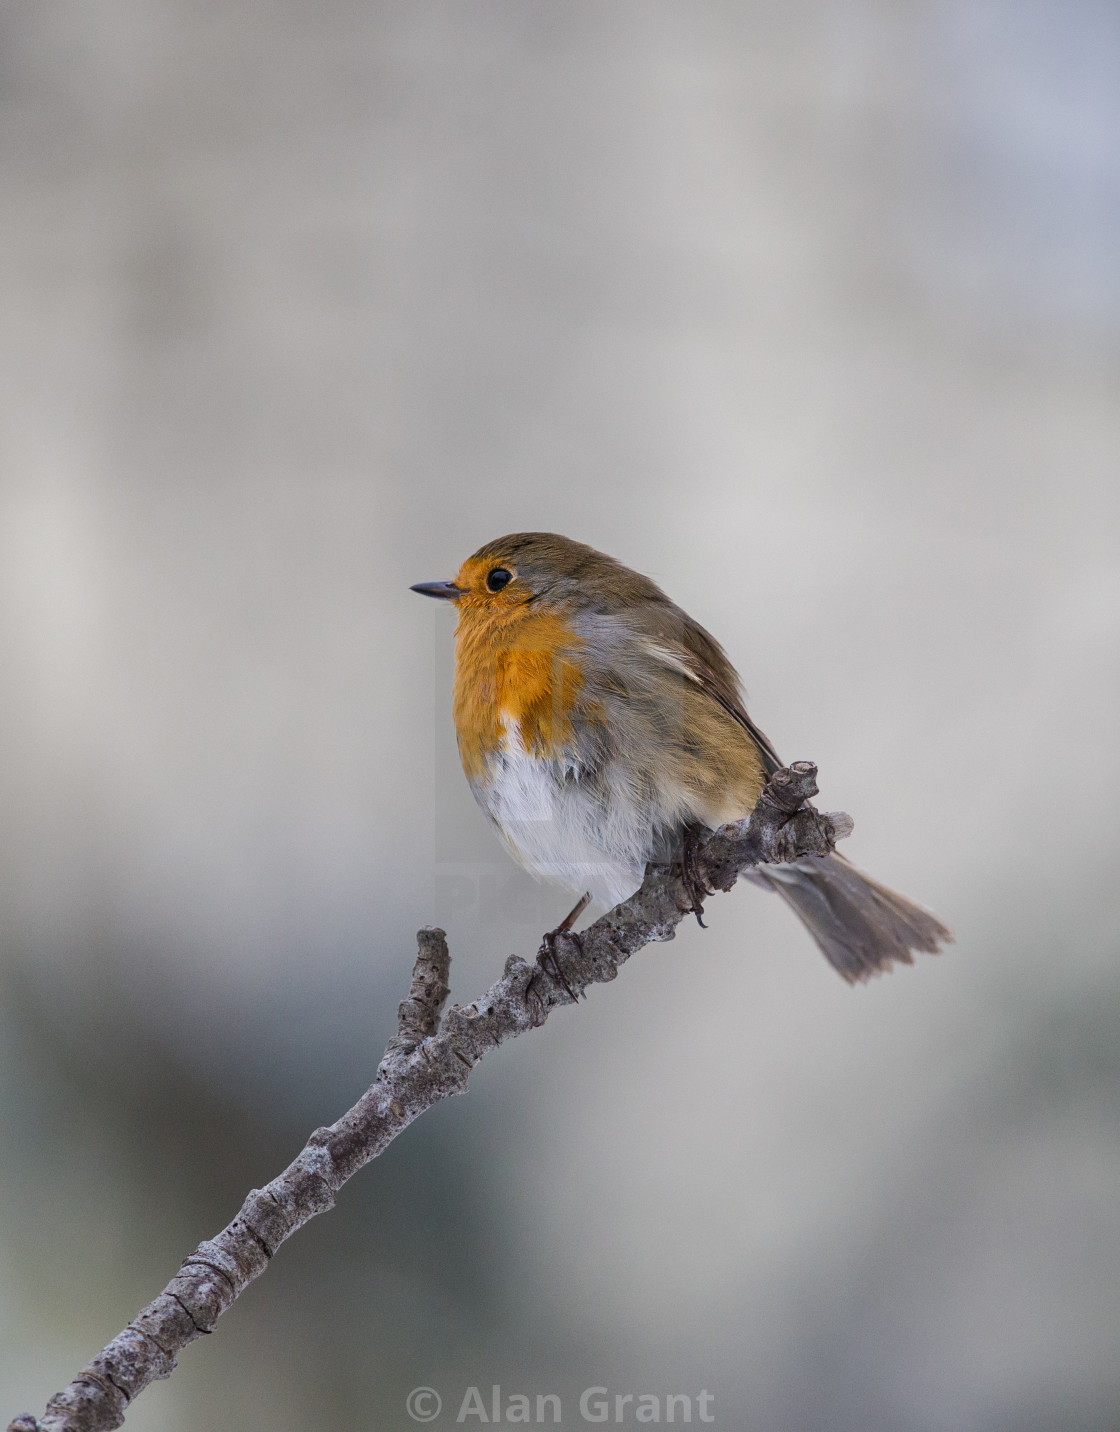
(446,591)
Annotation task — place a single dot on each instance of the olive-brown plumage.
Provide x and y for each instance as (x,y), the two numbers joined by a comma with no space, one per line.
(597,722)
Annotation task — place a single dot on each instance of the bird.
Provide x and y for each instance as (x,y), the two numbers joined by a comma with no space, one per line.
(600,728)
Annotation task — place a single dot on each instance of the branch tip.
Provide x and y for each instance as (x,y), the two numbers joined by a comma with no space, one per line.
(788,787)
(418,1016)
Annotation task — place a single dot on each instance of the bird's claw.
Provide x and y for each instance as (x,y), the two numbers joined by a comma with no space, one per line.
(546,955)
(691,874)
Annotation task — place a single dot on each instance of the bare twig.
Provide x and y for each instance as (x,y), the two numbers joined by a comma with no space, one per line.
(424,1062)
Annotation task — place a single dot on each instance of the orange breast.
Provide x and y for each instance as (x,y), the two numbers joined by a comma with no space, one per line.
(517,679)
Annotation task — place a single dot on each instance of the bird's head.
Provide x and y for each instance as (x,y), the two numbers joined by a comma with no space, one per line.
(540,569)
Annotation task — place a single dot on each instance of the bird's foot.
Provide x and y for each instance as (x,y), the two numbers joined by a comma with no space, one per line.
(694,882)
(547,961)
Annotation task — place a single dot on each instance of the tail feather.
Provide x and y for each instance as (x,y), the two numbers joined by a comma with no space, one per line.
(860,925)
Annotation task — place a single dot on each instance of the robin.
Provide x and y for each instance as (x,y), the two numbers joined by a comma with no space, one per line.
(600,728)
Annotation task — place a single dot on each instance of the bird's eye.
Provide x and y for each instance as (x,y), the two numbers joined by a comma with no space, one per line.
(498,578)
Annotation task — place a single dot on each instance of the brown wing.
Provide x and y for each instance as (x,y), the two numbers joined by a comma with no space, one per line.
(721,681)
(708,666)
(734,707)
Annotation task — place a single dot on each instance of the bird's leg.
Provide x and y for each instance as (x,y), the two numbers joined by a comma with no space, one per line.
(573,915)
(694,881)
(546,955)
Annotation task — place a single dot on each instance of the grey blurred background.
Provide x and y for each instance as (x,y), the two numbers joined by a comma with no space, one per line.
(812,312)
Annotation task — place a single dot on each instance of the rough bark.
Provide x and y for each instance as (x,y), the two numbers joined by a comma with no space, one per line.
(425,1061)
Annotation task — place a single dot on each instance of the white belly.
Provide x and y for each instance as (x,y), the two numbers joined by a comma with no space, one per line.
(577,835)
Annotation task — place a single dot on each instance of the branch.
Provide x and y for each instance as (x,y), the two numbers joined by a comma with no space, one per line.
(424,1062)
